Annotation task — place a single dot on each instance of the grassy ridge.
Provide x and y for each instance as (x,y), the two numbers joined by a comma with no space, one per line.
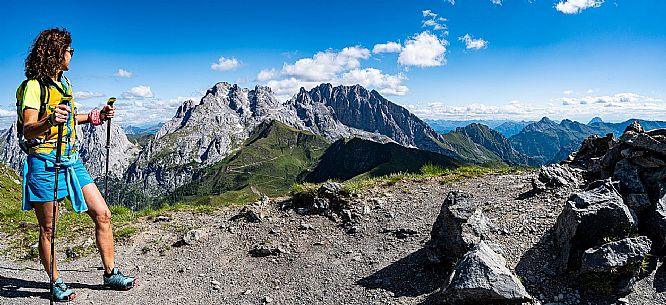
(427,171)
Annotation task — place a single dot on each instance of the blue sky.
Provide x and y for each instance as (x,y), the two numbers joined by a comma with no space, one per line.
(464,59)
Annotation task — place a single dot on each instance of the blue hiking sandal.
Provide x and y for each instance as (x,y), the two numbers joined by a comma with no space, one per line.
(62,293)
(118,281)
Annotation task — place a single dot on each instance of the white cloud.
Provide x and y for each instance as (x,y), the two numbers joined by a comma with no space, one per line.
(225,64)
(433,20)
(123,73)
(619,98)
(266,74)
(568,92)
(473,44)
(452,2)
(374,78)
(389,47)
(286,88)
(423,50)
(496,2)
(138,93)
(326,65)
(83,95)
(429,13)
(6,113)
(577,6)
(337,68)
(150,111)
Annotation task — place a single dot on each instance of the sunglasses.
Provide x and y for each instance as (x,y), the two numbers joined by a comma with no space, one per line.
(71,51)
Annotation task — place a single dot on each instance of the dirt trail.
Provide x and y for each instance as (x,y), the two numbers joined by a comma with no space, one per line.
(321,263)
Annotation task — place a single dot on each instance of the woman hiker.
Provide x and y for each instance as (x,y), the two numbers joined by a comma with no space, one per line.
(40,113)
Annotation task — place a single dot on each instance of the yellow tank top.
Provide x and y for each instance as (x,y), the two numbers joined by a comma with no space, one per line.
(53,98)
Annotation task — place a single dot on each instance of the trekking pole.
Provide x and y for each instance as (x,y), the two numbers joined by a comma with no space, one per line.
(108,146)
(65,101)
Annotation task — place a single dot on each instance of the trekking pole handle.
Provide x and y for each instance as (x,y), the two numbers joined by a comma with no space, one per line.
(65,100)
(111,101)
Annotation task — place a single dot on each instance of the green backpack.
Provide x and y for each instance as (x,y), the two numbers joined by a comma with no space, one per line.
(20,95)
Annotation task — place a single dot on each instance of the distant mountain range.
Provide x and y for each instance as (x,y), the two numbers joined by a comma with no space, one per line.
(146,129)
(244,139)
(505,127)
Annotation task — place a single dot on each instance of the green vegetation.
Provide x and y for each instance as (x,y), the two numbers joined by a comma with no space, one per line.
(269,162)
(444,175)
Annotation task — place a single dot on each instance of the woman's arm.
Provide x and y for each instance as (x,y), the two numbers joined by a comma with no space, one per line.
(33,126)
(105,114)
(82,118)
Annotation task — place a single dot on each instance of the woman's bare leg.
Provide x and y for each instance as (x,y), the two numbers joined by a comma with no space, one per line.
(100,214)
(44,213)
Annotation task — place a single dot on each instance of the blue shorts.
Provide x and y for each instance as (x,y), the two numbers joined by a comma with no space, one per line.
(41,179)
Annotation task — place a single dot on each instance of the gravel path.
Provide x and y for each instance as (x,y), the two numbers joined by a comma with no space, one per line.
(320,262)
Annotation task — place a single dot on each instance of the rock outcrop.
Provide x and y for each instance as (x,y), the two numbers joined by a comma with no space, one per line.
(624,198)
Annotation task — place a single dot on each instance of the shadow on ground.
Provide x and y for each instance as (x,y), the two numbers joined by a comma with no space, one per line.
(411,276)
(20,288)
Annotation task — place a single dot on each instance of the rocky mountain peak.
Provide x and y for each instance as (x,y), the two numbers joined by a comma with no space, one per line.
(546,120)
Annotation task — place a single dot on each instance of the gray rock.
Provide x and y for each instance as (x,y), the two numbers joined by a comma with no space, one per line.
(611,256)
(635,127)
(629,178)
(192,237)
(638,202)
(329,189)
(643,141)
(656,223)
(615,266)
(261,250)
(556,175)
(648,161)
(481,277)
(459,226)
(538,186)
(587,219)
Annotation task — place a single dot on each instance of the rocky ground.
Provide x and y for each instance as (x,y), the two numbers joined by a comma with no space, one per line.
(313,260)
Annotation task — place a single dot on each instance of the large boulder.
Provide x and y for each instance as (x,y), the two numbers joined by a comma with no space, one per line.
(655,226)
(589,218)
(481,277)
(614,255)
(628,175)
(460,225)
(615,266)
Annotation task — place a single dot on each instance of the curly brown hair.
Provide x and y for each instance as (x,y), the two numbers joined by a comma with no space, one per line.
(47,54)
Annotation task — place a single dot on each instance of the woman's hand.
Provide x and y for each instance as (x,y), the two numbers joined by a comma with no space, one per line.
(61,113)
(107,112)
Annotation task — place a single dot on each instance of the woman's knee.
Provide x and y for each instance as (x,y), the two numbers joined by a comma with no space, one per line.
(102,216)
(46,230)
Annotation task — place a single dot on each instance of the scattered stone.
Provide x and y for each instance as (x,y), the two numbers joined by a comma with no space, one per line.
(557,175)
(162,218)
(261,250)
(305,226)
(192,237)
(404,233)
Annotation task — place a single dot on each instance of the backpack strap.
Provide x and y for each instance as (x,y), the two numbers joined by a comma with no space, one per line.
(44,94)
